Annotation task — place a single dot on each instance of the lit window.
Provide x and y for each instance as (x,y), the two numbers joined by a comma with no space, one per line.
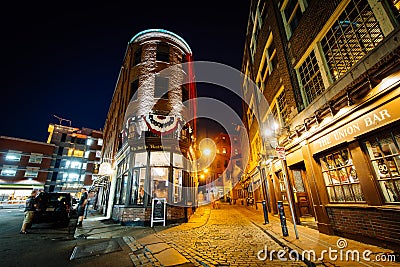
(178,160)
(177,187)
(76,164)
(354,34)
(31,172)
(340,177)
(9,170)
(87,153)
(141,159)
(75,153)
(383,152)
(159,158)
(73,177)
(159,183)
(89,142)
(13,155)
(35,158)
(236,151)
(311,78)
(224,150)
(100,142)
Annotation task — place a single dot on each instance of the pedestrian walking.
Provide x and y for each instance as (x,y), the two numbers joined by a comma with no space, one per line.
(81,206)
(30,208)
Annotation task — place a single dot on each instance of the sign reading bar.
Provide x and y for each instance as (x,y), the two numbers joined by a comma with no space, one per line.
(158,207)
(281,152)
(379,117)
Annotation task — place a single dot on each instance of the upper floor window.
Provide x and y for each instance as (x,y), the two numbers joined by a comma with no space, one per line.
(268,62)
(185,93)
(9,170)
(311,78)
(137,56)
(161,87)
(354,34)
(162,52)
(35,158)
(292,11)
(283,107)
(134,88)
(13,155)
(31,172)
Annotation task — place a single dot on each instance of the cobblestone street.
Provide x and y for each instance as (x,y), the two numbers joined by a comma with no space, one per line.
(228,238)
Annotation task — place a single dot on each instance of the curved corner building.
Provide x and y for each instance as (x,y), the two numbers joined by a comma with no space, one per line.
(148,132)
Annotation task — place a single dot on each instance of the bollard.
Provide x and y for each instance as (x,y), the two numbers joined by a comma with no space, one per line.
(266,221)
(282,218)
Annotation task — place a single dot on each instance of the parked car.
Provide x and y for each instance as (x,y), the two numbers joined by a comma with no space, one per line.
(54,207)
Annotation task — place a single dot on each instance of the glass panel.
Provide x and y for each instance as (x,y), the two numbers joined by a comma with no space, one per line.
(177,189)
(358,194)
(178,160)
(327,178)
(389,191)
(140,159)
(339,194)
(159,177)
(347,193)
(159,158)
(334,177)
(124,187)
(118,191)
(331,194)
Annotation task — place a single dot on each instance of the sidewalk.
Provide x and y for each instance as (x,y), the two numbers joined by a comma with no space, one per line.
(312,240)
(148,249)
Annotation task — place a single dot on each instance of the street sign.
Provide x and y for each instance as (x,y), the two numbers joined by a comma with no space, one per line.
(281,152)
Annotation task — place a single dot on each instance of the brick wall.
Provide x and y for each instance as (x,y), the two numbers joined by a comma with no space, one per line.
(367,224)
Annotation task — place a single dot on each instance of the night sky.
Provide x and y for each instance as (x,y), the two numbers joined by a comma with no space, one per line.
(63,58)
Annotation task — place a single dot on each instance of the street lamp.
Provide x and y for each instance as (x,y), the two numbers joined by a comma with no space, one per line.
(272,134)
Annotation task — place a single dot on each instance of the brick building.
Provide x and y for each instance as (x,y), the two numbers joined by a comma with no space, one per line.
(146,138)
(75,157)
(330,73)
(25,165)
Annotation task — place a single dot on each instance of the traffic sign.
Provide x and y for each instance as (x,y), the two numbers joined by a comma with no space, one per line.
(281,152)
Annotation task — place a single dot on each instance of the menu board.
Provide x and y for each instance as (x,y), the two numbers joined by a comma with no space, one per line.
(158,207)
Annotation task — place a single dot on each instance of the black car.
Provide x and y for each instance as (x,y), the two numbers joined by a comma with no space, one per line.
(53,207)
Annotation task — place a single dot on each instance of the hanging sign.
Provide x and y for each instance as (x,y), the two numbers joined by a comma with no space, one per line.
(158,208)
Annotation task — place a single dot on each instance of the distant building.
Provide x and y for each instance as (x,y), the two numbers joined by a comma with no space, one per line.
(25,165)
(76,157)
(146,136)
(330,73)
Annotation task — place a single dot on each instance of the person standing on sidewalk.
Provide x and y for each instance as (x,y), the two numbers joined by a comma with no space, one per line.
(30,208)
(81,206)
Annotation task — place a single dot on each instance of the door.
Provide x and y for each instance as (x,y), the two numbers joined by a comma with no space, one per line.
(301,195)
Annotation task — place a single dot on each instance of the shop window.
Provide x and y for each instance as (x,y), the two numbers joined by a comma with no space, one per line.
(35,158)
(283,107)
(178,160)
(354,34)
(340,177)
(177,187)
(140,159)
(137,194)
(159,158)
(122,188)
(384,154)
(159,182)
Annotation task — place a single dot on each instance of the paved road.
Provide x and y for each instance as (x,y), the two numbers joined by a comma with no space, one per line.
(228,238)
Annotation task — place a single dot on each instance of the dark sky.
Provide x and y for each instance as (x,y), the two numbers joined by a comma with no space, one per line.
(63,57)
